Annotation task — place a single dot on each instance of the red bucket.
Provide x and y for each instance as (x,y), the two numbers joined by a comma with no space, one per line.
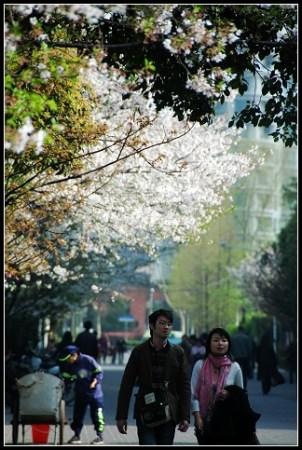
(40,433)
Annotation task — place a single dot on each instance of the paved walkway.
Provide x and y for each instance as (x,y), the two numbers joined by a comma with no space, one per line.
(268,437)
(276,427)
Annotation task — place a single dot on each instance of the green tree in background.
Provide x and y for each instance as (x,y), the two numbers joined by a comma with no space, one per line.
(269,277)
(200,286)
(285,304)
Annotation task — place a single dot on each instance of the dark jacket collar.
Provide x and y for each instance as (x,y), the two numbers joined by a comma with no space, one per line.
(165,347)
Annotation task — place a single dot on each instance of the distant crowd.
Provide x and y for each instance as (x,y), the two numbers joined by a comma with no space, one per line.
(103,349)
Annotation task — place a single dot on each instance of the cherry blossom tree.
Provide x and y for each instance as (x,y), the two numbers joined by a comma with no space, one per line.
(160,191)
(145,177)
(92,164)
(83,146)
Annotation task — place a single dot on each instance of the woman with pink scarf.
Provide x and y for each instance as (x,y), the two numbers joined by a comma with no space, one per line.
(210,375)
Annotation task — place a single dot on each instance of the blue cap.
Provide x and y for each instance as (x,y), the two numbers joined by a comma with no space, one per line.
(68,351)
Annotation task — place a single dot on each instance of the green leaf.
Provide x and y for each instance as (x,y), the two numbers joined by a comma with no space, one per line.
(52,105)
(197,9)
(149,65)
(9,82)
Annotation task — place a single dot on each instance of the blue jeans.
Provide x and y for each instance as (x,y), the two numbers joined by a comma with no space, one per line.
(160,435)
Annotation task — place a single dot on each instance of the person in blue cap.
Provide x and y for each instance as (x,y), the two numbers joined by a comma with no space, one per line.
(87,375)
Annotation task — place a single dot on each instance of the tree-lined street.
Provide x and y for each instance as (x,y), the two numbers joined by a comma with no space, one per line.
(151,161)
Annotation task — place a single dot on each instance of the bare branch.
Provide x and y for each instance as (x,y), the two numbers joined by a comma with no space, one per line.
(116,160)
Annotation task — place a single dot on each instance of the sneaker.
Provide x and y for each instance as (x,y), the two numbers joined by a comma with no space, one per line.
(98,440)
(75,440)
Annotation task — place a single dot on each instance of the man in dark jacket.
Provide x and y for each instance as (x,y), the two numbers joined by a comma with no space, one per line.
(242,350)
(87,375)
(163,399)
(87,341)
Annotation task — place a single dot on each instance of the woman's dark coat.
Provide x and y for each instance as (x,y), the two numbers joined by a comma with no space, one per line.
(233,422)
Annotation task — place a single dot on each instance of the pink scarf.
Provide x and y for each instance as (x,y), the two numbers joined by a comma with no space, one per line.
(207,388)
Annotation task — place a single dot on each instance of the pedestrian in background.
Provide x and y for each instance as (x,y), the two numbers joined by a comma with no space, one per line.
(291,360)
(103,347)
(66,340)
(186,345)
(87,341)
(112,351)
(267,362)
(163,399)
(253,358)
(210,376)
(121,347)
(198,350)
(87,375)
(242,352)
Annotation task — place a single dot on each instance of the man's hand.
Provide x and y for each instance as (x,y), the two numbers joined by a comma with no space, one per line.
(183,425)
(122,426)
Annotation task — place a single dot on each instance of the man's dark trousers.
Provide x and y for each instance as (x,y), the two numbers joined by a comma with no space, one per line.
(159,435)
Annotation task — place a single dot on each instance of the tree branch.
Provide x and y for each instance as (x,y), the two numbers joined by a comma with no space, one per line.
(81,44)
(116,160)
(85,44)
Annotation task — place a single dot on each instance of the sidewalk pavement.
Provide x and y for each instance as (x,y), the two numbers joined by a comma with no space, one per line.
(270,437)
(273,433)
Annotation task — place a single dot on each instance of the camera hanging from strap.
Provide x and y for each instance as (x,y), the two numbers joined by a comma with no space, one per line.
(156,409)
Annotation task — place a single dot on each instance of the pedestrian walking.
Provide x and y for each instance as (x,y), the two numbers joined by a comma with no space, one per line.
(242,352)
(232,421)
(253,358)
(87,341)
(291,360)
(267,363)
(186,345)
(159,370)
(66,340)
(87,375)
(103,347)
(121,347)
(210,376)
(198,350)
(112,352)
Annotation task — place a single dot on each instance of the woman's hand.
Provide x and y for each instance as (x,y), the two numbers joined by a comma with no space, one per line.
(183,425)
(198,420)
